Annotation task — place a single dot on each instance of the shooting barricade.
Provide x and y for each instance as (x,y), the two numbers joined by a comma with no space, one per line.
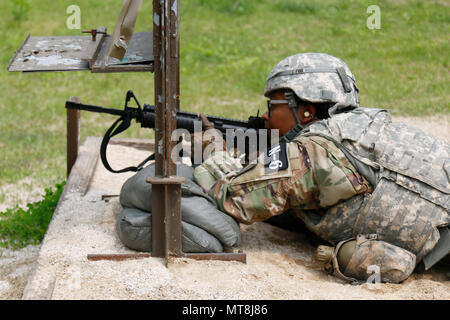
(95,53)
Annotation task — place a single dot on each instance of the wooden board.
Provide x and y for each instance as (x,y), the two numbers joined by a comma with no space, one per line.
(78,53)
(88,156)
(84,167)
(59,53)
(141,144)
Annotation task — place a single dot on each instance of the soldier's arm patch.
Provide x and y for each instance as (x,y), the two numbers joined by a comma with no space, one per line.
(275,159)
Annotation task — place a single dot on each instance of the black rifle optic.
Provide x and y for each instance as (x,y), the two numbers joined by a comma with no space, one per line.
(146,117)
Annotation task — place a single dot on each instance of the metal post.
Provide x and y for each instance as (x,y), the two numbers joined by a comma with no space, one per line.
(73,135)
(166,215)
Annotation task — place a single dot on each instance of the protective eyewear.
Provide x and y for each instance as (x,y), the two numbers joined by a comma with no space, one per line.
(275,102)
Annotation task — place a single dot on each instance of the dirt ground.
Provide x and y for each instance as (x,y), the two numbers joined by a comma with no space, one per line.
(279,262)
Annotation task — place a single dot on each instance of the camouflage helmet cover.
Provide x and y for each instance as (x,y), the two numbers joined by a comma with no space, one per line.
(315,77)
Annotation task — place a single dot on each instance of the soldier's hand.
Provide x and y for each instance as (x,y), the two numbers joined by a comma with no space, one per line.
(206,124)
(210,137)
(204,139)
(200,141)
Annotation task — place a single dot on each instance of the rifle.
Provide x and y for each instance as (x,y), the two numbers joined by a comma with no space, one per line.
(146,117)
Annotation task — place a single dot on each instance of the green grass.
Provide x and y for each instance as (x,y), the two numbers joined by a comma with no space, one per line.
(227,50)
(19,227)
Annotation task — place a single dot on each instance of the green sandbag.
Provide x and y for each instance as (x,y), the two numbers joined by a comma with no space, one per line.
(199,212)
(134,230)
(137,193)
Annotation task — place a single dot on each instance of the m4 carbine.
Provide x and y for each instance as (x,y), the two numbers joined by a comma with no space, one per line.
(146,117)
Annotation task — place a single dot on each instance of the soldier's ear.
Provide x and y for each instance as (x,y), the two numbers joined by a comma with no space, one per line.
(306,113)
(124,29)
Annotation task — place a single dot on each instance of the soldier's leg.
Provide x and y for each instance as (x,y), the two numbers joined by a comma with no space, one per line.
(440,253)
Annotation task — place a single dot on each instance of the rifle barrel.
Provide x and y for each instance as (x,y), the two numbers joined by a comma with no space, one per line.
(86,107)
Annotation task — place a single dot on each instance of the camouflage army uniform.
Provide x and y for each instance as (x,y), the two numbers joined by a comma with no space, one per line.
(317,175)
(409,170)
(324,185)
(355,175)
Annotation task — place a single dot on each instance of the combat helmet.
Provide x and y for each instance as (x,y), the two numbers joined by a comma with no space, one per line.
(315,77)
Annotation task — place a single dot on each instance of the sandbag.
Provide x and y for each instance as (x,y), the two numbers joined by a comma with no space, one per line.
(204,227)
(137,193)
(134,229)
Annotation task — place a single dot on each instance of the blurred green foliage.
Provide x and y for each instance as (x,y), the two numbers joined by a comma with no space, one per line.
(20,9)
(20,228)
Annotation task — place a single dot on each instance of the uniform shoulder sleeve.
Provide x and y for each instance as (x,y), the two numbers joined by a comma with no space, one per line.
(337,179)
(278,179)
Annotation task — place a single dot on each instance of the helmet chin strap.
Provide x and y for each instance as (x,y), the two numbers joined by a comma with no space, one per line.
(293,105)
(295,131)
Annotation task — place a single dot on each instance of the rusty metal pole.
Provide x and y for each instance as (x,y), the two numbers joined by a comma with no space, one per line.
(73,135)
(166,187)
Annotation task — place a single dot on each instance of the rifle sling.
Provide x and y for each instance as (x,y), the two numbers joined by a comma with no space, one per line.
(122,124)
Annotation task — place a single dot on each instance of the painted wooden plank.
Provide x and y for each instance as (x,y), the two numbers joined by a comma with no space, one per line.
(84,167)
(58,53)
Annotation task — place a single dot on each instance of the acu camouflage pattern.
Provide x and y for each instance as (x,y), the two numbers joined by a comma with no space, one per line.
(411,198)
(318,175)
(396,264)
(317,82)
(219,165)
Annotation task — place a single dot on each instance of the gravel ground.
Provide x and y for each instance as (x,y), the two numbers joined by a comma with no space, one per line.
(279,263)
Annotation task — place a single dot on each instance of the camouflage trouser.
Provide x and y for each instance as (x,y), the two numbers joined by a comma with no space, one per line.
(397,215)
(374,261)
